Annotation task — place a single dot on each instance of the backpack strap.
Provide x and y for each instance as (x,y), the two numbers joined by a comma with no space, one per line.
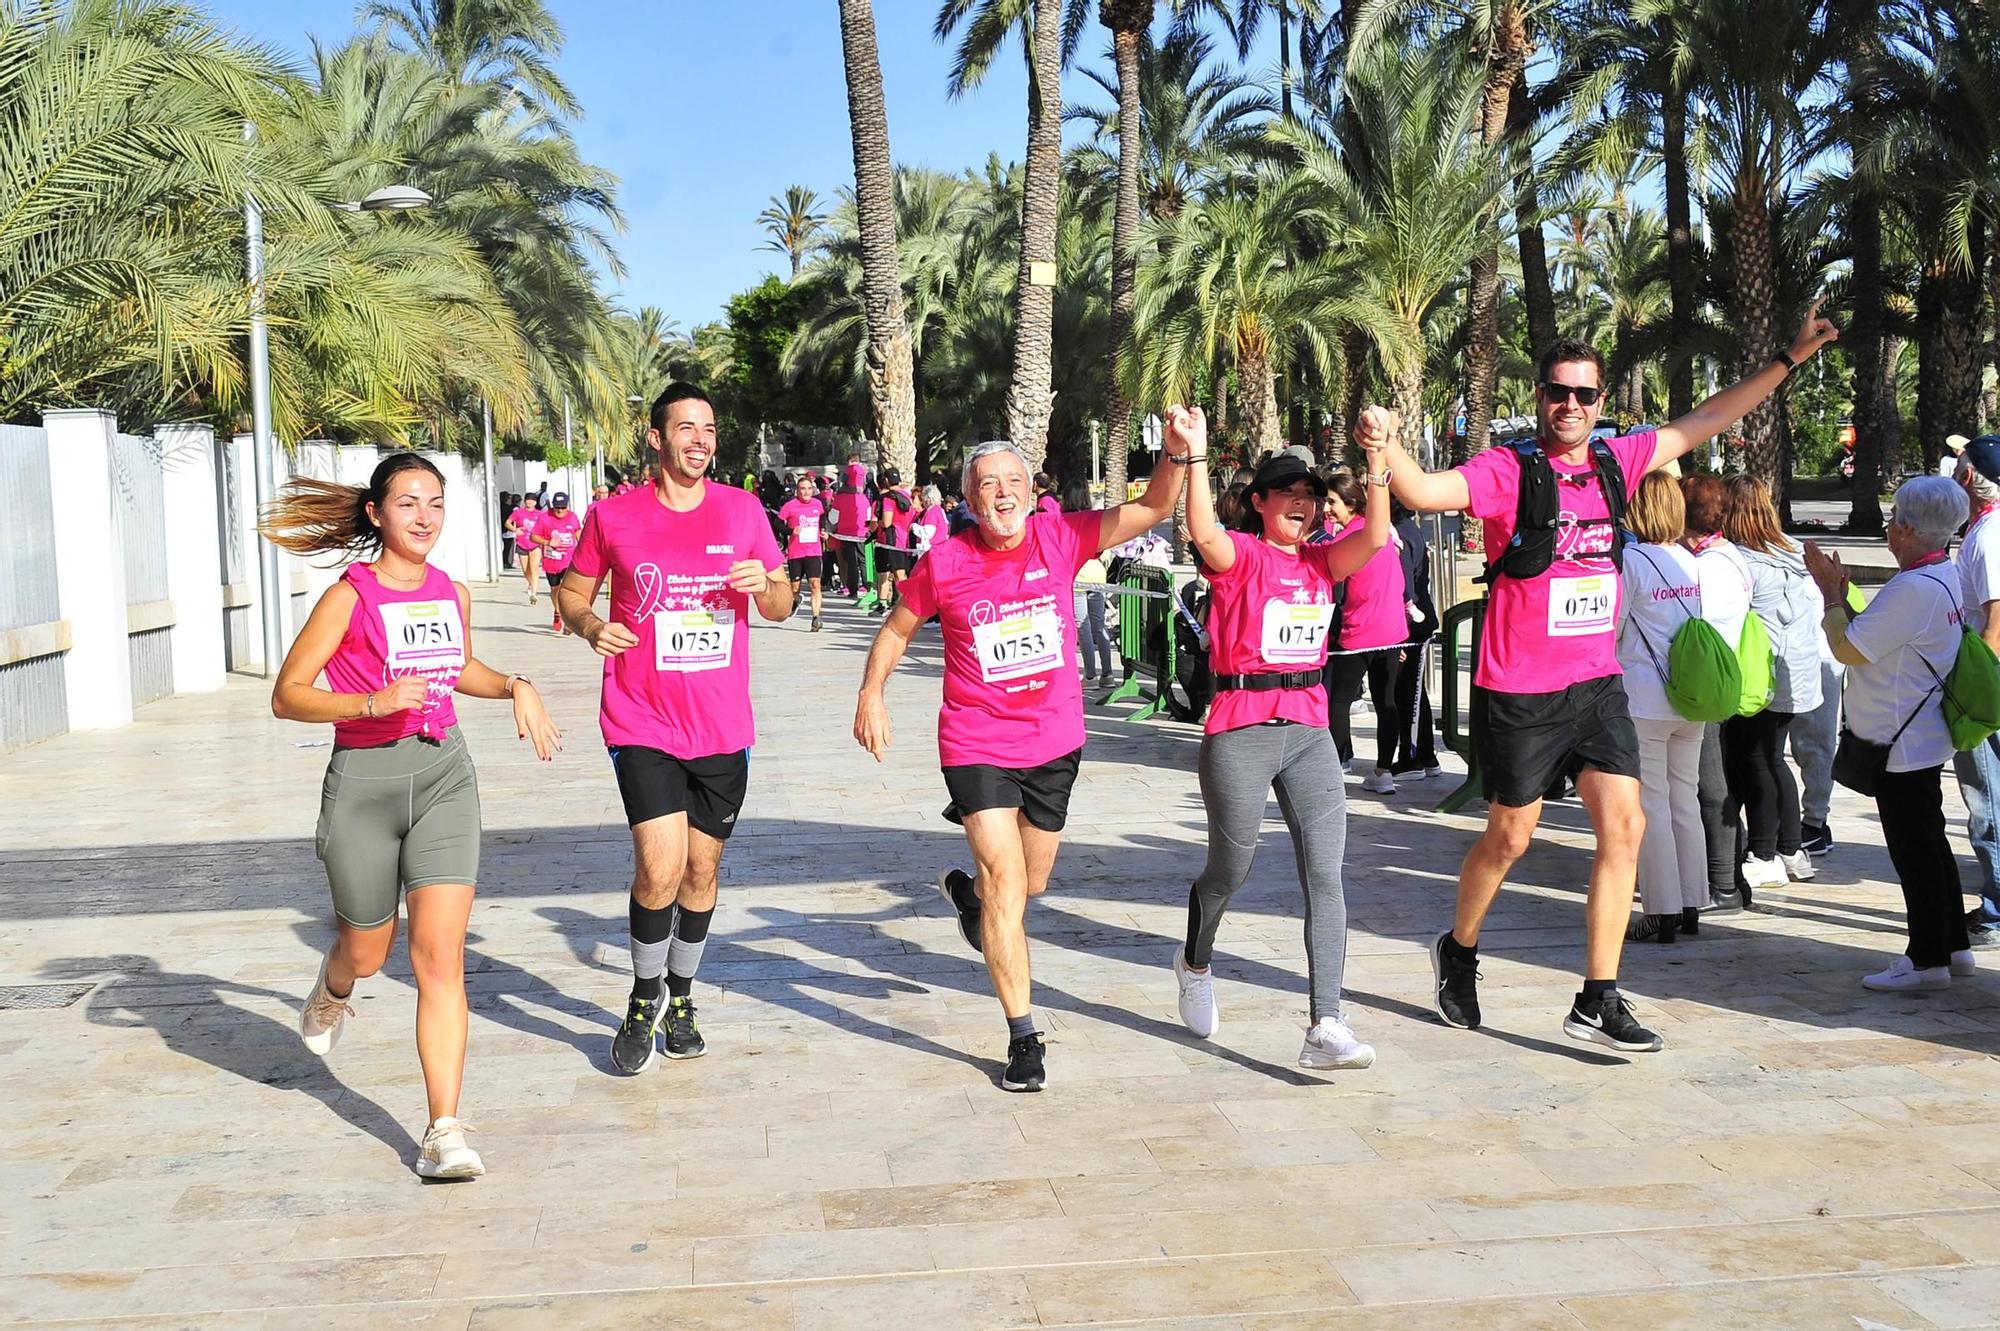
(1644,640)
(1535,506)
(1611,479)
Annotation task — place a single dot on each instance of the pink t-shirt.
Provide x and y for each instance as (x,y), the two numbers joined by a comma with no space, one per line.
(930,529)
(1268,613)
(1561,628)
(804,517)
(524,520)
(684,688)
(392,633)
(563,530)
(1048,504)
(1374,614)
(850,511)
(898,517)
(1012,694)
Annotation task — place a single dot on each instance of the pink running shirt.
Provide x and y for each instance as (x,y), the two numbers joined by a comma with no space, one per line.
(1560,628)
(684,687)
(392,633)
(1012,693)
(1375,614)
(1269,613)
(563,532)
(524,520)
(803,516)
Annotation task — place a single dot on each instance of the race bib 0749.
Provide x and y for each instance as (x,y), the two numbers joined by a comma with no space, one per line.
(691,640)
(1026,644)
(1295,634)
(422,636)
(1580,607)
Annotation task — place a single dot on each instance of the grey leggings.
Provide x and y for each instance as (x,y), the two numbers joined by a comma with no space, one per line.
(1237,769)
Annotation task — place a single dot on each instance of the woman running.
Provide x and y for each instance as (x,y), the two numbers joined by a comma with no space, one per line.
(522,522)
(1270,606)
(399,810)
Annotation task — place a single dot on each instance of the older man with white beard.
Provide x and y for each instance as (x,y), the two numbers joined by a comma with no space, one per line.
(1010,731)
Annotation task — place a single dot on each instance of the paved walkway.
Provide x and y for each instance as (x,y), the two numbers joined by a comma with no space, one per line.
(1803,1155)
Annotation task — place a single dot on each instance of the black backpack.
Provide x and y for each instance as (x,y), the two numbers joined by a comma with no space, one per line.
(1539,516)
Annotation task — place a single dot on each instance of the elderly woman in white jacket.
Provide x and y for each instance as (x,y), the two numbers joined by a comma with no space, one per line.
(1783,598)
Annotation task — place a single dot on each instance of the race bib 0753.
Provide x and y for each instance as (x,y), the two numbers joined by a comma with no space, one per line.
(422,636)
(1026,644)
(1580,607)
(691,640)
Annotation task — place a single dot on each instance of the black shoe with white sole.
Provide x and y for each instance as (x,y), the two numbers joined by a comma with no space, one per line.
(955,886)
(682,1037)
(1609,1022)
(1024,1065)
(1455,991)
(632,1048)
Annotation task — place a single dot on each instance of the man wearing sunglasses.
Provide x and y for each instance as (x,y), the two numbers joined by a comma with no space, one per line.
(1547,697)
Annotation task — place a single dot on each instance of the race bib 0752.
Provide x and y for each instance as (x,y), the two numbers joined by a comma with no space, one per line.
(691,640)
(1295,634)
(1580,607)
(1026,644)
(422,636)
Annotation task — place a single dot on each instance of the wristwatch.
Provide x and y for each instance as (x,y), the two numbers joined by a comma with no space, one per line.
(1383,479)
(1784,358)
(512,680)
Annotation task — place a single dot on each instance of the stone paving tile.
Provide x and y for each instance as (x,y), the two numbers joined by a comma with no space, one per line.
(1803,1153)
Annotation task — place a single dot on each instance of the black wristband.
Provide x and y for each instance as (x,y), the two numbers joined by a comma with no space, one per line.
(1784,358)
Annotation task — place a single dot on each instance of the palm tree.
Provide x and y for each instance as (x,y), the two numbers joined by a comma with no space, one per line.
(795,224)
(891,385)
(1249,18)
(513,43)
(1048,39)
(1129,21)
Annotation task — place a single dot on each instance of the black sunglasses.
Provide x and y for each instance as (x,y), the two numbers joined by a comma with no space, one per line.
(1585,397)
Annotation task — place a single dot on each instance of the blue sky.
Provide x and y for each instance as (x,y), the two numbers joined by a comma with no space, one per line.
(706,108)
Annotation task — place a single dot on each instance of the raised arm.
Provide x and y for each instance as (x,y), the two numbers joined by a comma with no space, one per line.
(1711,417)
(1420,490)
(1124,521)
(1376,429)
(1217,550)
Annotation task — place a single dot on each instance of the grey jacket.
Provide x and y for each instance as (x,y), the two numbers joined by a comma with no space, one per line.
(1783,596)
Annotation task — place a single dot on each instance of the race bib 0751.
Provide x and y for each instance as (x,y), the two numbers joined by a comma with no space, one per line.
(691,640)
(422,636)
(1580,607)
(1025,644)
(1295,634)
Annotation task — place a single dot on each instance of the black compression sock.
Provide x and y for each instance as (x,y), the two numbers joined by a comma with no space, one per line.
(1020,1026)
(1458,951)
(684,953)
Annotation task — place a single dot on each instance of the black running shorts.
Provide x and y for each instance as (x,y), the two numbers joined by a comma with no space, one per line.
(889,559)
(1040,793)
(708,790)
(1526,742)
(805,566)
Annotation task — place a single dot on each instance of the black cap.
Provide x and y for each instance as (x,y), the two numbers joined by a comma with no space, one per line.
(560,500)
(1984,455)
(1283,471)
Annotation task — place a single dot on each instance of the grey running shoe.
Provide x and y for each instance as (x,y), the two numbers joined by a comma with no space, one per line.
(682,1036)
(632,1048)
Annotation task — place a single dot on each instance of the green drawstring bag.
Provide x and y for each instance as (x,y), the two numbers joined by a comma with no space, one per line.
(1704,678)
(1753,660)
(1972,693)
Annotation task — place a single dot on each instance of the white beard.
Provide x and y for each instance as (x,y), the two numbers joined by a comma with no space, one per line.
(1007,528)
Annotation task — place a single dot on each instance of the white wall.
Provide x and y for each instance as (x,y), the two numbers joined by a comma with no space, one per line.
(90,568)
(194,556)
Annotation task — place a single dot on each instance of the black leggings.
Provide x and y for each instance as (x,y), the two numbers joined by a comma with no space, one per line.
(1344,686)
(1753,760)
(1415,745)
(1911,806)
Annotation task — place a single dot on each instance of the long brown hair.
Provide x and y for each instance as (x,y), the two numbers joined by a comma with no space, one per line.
(311,517)
(1753,519)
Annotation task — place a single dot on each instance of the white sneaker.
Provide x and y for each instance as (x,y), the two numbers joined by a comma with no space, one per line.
(1329,1044)
(1763,873)
(1382,783)
(323,1015)
(1198,1010)
(1798,866)
(1904,974)
(445,1154)
(1962,963)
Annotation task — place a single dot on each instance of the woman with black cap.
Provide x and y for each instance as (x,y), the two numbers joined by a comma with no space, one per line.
(1270,607)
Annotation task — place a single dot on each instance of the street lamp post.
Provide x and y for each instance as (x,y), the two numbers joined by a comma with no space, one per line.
(264,451)
(492,494)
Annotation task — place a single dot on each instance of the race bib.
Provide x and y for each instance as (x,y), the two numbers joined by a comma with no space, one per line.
(808,533)
(1580,607)
(564,539)
(1295,634)
(422,636)
(691,640)
(1027,644)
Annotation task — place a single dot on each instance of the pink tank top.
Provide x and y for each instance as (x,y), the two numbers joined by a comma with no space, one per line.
(393,633)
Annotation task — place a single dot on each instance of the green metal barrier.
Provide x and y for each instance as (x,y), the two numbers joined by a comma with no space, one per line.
(868,600)
(1452,703)
(1145,637)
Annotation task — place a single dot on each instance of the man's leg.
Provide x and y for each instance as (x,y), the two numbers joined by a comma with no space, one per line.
(659,859)
(1001,878)
(1509,830)
(813,586)
(1619,821)
(1977,770)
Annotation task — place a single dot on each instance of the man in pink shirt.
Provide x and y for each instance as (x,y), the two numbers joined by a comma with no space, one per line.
(1010,732)
(805,514)
(686,559)
(1548,698)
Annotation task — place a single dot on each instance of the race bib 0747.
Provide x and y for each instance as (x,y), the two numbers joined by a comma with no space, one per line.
(1295,634)
(1013,648)
(1580,607)
(422,636)
(691,640)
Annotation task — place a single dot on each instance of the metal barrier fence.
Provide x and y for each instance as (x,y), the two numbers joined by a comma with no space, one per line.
(33,698)
(138,482)
(1145,637)
(1466,618)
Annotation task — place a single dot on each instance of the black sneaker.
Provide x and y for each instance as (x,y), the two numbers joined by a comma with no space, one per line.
(1658,928)
(1609,1022)
(815,627)
(1690,921)
(1456,992)
(1024,1065)
(955,885)
(681,1036)
(632,1048)
(1815,839)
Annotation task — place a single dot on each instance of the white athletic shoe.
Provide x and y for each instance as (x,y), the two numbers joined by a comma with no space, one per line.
(1798,866)
(1329,1044)
(323,1015)
(1904,974)
(1198,1011)
(445,1154)
(1962,963)
(1382,783)
(1763,873)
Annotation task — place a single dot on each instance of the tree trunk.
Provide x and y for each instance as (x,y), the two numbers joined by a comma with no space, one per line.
(1538,290)
(1028,405)
(1353,386)
(1260,404)
(1931,421)
(1407,396)
(1482,337)
(1128,21)
(1220,425)
(891,371)
(1876,425)
(1285,57)
(1989,417)
(1680,254)
(1754,303)
(1962,355)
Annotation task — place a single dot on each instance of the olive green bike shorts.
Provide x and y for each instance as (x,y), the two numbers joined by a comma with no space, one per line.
(397,817)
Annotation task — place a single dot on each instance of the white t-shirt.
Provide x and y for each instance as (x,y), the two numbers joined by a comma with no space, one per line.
(1979,567)
(1725,589)
(1914,619)
(1661,594)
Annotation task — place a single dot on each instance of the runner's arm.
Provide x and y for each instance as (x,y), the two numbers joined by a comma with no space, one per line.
(295,697)
(575,595)
(1217,550)
(1138,516)
(871,714)
(1732,404)
(479,680)
(1346,556)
